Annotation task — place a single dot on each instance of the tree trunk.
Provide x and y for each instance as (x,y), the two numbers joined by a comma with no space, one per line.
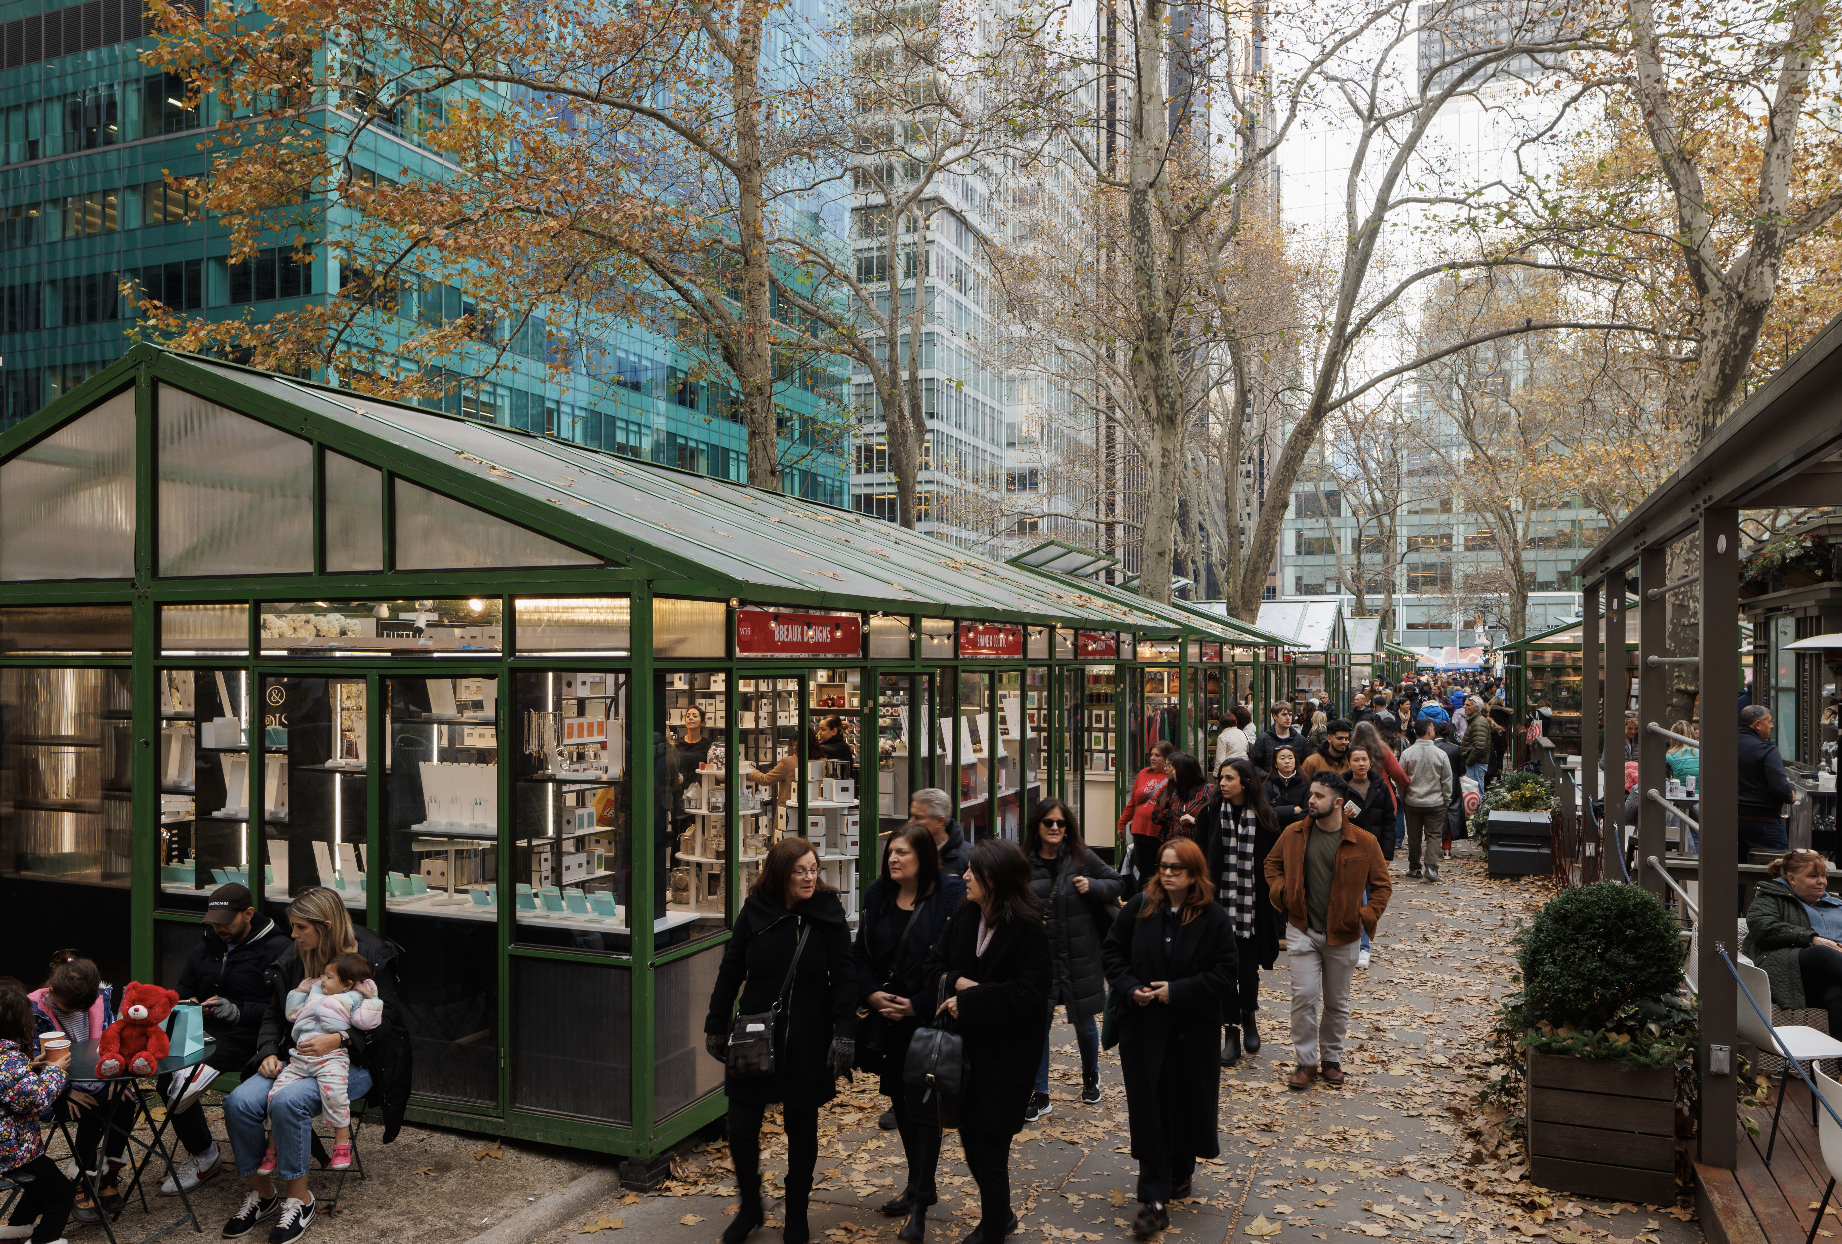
(755,350)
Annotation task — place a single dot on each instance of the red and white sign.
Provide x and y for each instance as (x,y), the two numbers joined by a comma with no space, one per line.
(1211,654)
(988,639)
(782,633)
(1096,645)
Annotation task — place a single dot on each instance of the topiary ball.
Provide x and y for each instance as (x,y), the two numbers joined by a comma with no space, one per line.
(1595,949)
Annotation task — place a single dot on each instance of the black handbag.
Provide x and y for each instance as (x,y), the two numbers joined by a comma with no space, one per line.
(872,1029)
(751,1037)
(936,1069)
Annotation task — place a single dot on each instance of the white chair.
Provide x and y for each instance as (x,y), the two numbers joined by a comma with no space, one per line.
(1829,1136)
(1795,1042)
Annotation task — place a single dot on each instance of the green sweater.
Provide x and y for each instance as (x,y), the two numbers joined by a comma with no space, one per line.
(1777,928)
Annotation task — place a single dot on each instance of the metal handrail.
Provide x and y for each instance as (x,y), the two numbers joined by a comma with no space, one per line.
(1671,734)
(1784,1051)
(1655,661)
(1656,592)
(1670,881)
(1691,822)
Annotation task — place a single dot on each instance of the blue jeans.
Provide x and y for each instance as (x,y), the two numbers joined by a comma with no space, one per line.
(1476,774)
(248,1108)
(1087,1037)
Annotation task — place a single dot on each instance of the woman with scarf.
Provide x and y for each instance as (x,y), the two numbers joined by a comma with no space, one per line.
(1241,830)
(1182,803)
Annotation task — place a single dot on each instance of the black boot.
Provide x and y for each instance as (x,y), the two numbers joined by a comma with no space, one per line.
(749,1216)
(900,1205)
(1231,1045)
(799,1192)
(1250,1041)
(916,1226)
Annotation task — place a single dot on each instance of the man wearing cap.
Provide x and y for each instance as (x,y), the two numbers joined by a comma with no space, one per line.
(228,974)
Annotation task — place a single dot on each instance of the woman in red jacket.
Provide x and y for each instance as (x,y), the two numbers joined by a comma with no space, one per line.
(1137,816)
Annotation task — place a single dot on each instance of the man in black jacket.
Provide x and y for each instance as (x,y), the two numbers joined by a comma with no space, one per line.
(1764,788)
(1281,733)
(227,972)
(934,809)
(1455,813)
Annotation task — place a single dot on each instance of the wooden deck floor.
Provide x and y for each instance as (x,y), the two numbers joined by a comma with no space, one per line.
(1757,1204)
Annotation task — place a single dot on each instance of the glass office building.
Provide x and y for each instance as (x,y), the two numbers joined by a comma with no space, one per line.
(88,135)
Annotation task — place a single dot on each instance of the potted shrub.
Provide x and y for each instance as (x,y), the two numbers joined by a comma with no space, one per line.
(1601,1035)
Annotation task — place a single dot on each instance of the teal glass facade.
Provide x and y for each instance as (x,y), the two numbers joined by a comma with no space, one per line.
(87,136)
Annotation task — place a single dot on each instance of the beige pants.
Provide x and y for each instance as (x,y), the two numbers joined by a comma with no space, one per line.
(1321,977)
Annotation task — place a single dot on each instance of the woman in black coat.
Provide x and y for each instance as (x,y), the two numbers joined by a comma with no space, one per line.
(1287,790)
(903,915)
(1241,830)
(1079,896)
(1372,804)
(814,1030)
(991,965)
(1170,957)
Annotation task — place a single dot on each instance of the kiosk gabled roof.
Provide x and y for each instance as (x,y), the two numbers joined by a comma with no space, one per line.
(690,533)
(1309,622)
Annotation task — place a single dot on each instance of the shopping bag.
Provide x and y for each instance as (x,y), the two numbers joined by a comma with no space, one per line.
(185,1028)
(1472,795)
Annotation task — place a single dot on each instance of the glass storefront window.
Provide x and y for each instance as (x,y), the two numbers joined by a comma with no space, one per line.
(440,838)
(688,629)
(1156,692)
(66,630)
(896,717)
(421,627)
(833,812)
(1036,643)
(1018,747)
(936,639)
(1099,684)
(692,777)
(205,784)
(891,639)
(354,509)
(236,494)
(67,503)
(204,630)
(584,626)
(976,749)
(64,821)
(315,735)
(768,798)
(572,841)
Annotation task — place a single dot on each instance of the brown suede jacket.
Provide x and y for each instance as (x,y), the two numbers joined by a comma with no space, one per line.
(1359,864)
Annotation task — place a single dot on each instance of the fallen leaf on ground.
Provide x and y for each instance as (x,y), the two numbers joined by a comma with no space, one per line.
(1260,1227)
(690,1220)
(497,1151)
(603,1223)
(423,1170)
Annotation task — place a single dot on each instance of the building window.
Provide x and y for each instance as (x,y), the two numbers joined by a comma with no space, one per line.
(268,275)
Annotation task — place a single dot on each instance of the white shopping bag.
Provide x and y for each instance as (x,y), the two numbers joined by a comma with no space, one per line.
(1472,795)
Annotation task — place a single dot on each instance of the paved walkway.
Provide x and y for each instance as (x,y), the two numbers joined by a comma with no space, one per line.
(1398,1153)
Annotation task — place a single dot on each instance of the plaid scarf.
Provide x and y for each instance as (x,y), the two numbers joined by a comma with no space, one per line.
(1236,892)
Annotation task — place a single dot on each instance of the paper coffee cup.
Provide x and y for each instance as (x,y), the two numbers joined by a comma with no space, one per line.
(53,1043)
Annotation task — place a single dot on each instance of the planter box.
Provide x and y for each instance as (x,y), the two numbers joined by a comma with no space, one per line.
(1602,1129)
(1519,844)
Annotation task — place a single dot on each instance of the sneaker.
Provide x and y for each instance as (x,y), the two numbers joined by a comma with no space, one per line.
(1090,1094)
(1413,872)
(255,1208)
(342,1158)
(1432,876)
(194,1170)
(23,1231)
(1362,958)
(268,1159)
(293,1223)
(1039,1106)
(1448,853)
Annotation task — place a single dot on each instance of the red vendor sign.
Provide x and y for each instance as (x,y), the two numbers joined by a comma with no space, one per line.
(988,639)
(1096,645)
(782,633)
(1211,654)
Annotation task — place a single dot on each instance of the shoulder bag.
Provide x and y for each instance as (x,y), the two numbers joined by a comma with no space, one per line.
(936,1068)
(751,1037)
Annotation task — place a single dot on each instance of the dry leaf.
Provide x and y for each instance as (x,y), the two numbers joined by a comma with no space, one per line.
(631,1198)
(1117,1197)
(603,1223)
(497,1151)
(690,1220)
(1260,1227)
(423,1170)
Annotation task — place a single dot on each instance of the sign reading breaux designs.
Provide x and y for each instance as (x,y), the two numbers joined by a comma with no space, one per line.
(785,633)
(988,639)
(1096,645)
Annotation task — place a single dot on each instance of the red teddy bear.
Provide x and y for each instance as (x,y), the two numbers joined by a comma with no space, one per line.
(137,1041)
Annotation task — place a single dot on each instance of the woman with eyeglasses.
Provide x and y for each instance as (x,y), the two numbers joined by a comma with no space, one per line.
(904,912)
(991,966)
(1170,956)
(1241,830)
(790,954)
(1079,895)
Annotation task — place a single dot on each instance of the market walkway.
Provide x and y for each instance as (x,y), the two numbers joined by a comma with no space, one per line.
(1399,1153)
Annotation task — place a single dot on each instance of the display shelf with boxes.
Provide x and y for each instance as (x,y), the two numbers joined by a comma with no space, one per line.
(833,825)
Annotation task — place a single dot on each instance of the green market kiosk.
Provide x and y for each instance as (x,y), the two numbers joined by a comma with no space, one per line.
(535,711)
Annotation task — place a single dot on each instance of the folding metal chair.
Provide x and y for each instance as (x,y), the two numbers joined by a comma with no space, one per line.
(12,1187)
(360,1112)
(1829,1137)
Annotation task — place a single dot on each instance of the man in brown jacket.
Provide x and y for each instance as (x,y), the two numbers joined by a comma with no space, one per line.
(1316,873)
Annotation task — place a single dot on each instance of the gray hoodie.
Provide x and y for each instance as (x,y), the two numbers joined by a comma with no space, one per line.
(1429,775)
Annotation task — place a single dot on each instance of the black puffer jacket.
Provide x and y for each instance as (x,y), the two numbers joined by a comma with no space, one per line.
(383,1051)
(821,1004)
(239,973)
(1076,923)
(1288,796)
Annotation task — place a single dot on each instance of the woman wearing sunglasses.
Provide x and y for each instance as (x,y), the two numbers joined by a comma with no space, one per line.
(1170,957)
(1079,895)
